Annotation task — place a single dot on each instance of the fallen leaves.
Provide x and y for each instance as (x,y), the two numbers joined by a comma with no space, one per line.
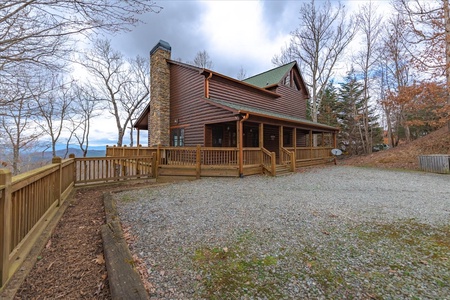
(100,260)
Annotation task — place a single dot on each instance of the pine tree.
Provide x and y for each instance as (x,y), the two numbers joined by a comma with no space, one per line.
(350,108)
(329,107)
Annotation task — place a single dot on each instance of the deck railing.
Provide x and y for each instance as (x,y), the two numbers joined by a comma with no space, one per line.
(219,156)
(269,161)
(309,153)
(27,202)
(252,156)
(107,169)
(287,158)
(130,151)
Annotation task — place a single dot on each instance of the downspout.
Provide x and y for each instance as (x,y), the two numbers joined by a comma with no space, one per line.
(241,145)
(207,85)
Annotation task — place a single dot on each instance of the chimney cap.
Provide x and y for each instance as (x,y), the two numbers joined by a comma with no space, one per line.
(163,45)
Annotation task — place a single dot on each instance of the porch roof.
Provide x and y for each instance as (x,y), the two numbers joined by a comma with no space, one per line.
(241,108)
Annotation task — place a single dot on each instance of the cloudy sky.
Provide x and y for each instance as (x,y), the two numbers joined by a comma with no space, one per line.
(235,34)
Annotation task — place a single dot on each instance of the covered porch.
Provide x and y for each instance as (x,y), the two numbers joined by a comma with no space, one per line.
(249,144)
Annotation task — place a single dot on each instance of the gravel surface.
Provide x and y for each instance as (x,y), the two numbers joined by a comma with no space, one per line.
(324,233)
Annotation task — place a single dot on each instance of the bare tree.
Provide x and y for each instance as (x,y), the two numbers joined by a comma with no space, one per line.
(38,31)
(16,122)
(202,60)
(242,74)
(136,91)
(427,37)
(318,44)
(85,108)
(121,84)
(394,73)
(53,104)
(370,24)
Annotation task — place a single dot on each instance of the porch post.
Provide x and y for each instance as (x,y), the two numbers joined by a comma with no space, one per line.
(241,144)
(334,140)
(6,224)
(322,143)
(138,137)
(295,140)
(281,137)
(261,135)
(240,140)
(310,144)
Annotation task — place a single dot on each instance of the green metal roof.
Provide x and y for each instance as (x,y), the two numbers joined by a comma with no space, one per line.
(259,111)
(270,77)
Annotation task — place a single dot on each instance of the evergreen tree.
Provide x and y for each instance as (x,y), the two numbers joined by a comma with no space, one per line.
(350,106)
(329,107)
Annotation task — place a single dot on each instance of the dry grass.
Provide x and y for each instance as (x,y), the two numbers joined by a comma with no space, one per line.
(405,156)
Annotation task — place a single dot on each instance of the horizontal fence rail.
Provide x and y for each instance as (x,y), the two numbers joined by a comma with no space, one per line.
(130,151)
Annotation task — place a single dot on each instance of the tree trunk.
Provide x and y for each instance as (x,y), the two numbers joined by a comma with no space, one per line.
(447,51)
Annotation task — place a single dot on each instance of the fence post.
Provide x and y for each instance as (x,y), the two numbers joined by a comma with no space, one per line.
(293,161)
(198,162)
(154,165)
(5,223)
(74,173)
(273,160)
(58,183)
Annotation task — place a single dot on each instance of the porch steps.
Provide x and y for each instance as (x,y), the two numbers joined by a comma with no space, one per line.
(282,170)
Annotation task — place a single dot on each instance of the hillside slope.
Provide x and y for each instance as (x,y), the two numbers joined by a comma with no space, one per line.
(405,156)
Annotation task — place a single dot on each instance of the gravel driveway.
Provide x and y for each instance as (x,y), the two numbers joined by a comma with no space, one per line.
(325,233)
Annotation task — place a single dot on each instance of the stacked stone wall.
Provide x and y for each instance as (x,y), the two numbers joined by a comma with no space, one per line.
(159,117)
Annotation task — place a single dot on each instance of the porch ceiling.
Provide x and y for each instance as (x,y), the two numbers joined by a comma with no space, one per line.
(240,108)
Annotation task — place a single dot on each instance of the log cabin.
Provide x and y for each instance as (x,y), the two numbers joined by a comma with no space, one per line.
(191,106)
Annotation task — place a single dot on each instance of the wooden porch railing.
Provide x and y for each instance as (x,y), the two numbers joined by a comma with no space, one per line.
(130,151)
(288,158)
(27,202)
(308,153)
(269,161)
(107,169)
(252,156)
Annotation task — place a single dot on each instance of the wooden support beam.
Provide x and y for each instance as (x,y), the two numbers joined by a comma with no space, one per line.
(310,144)
(138,137)
(58,183)
(280,134)
(294,138)
(5,224)
(261,135)
(198,162)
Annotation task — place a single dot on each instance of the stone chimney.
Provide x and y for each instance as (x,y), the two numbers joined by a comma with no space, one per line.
(159,116)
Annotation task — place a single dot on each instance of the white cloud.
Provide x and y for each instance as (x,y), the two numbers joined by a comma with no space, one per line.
(237,32)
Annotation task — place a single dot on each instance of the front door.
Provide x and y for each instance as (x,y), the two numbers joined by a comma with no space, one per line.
(217,136)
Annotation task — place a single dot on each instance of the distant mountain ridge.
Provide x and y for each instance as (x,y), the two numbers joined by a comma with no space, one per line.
(47,155)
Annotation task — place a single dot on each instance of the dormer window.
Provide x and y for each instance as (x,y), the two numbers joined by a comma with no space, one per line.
(287,80)
(291,82)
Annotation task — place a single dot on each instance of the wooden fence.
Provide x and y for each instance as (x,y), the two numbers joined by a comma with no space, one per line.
(437,163)
(30,200)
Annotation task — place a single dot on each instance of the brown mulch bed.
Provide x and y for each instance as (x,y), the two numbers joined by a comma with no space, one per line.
(72,266)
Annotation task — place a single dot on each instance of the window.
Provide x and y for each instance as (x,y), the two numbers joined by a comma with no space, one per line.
(178,137)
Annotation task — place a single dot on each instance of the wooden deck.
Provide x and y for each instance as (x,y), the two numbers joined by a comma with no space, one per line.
(223,162)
